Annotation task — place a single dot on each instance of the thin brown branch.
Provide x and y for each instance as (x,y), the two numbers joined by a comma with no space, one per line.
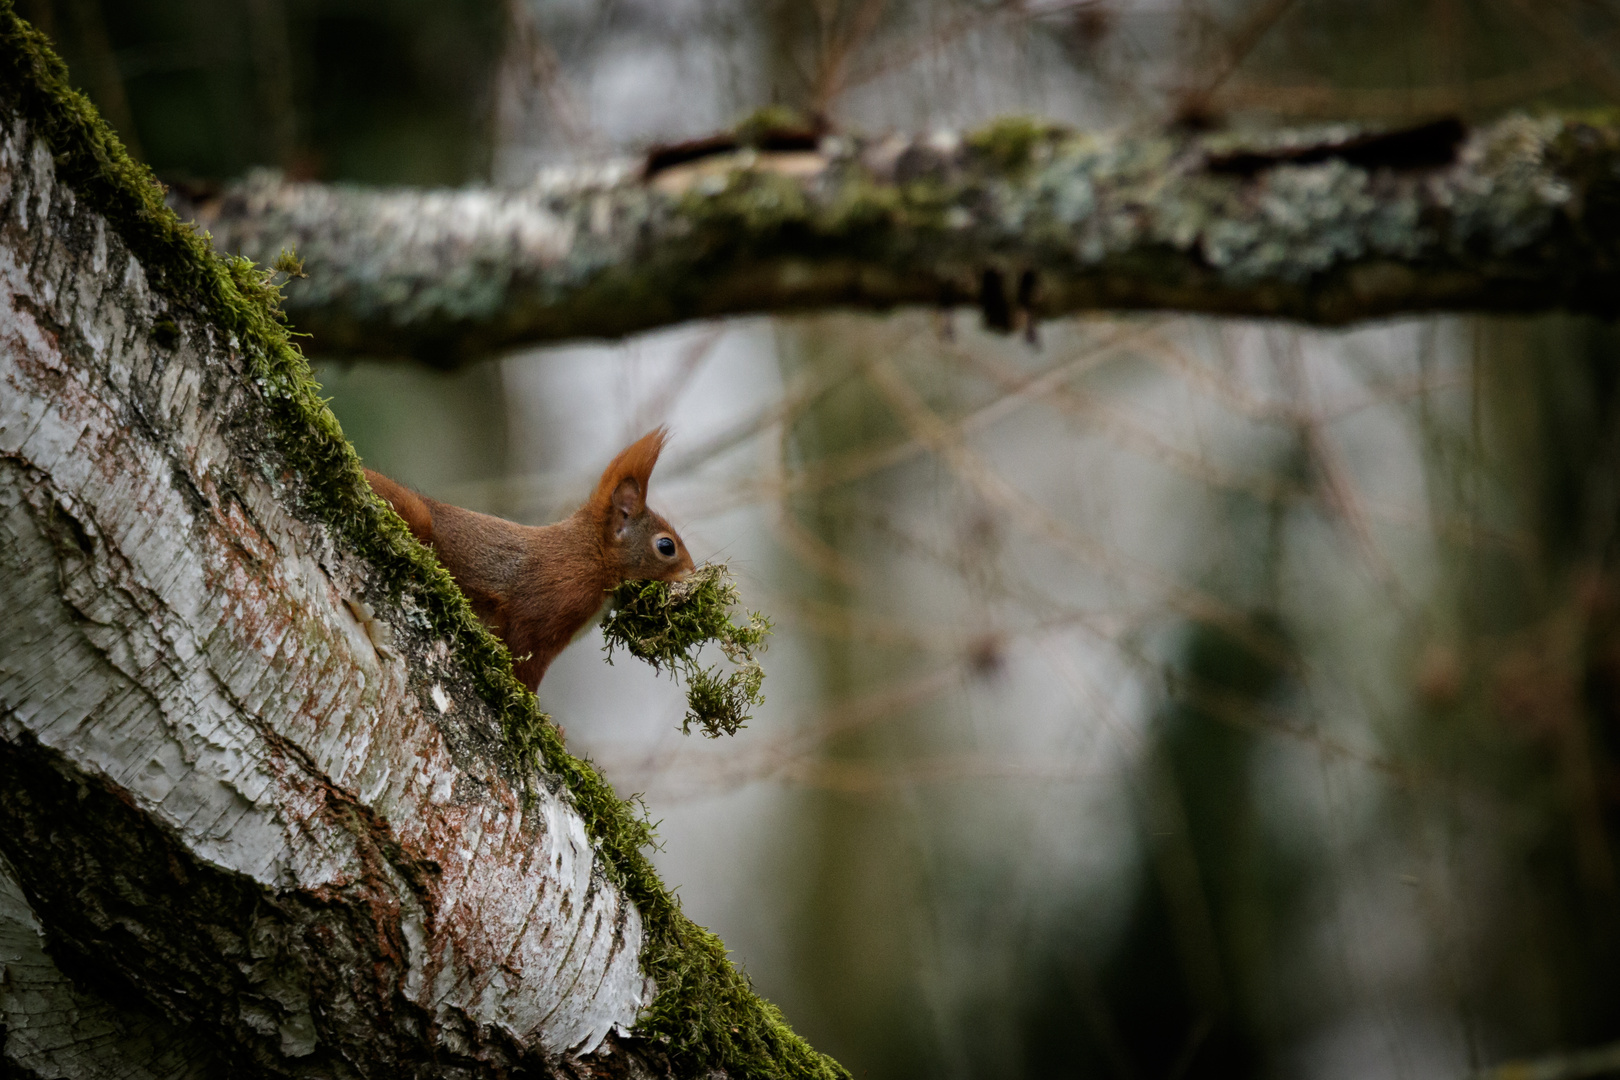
(1196,100)
(1552,19)
(1038,521)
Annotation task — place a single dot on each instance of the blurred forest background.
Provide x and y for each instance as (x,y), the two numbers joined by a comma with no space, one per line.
(1169,698)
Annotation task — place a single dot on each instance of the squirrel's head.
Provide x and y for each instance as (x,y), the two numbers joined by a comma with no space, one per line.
(641,544)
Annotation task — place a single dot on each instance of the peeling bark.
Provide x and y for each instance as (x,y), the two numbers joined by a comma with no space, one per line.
(241,831)
(1326,226)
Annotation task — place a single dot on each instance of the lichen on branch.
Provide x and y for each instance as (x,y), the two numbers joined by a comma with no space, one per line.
(667,623)
(1329,224)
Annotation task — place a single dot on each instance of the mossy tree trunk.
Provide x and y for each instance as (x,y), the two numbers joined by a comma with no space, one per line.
(242,829)
(1023,221)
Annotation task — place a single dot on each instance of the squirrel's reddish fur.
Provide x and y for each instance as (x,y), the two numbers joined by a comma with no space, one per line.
(537,586)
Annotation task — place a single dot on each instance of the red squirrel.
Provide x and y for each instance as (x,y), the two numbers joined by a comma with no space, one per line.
(536,586)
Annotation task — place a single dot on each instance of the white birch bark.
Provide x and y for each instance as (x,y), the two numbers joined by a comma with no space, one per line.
(231,824)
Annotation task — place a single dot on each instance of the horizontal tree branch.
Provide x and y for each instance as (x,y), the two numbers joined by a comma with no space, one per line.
(1328,225)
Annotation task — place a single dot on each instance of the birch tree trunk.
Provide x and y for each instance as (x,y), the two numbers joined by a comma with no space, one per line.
(1023,221)
(269,797)
(221,798)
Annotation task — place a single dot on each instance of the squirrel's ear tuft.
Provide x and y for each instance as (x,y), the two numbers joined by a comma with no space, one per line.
(635,462)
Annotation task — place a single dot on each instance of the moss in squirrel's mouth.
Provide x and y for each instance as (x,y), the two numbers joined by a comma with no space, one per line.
(666,623)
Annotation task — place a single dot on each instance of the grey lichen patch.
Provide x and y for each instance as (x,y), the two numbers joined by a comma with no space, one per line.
(705,1015)
(1309,219)
(666,624)
(1108,199)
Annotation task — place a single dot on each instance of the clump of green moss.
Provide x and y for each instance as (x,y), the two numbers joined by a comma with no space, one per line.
(1011,143)
(706,1015)
(667,623)
(761,124)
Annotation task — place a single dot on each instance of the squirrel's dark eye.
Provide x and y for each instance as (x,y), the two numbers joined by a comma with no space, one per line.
(665,546)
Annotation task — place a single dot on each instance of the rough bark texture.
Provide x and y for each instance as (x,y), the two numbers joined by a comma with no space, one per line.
(1326,225)
(271,803)
(51,1027)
